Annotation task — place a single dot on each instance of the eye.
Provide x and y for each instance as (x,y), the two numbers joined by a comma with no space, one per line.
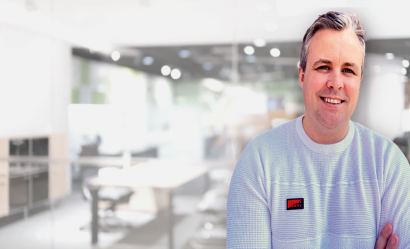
(323,67)
(347,70)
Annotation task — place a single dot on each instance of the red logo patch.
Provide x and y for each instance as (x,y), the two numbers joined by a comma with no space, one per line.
(296,203)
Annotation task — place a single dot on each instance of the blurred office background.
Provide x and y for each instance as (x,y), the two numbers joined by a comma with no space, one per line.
(152,102)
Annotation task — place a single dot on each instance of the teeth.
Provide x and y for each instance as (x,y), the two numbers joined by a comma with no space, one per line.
(333,101)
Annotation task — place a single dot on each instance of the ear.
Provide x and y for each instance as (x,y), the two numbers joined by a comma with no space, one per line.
(301,76)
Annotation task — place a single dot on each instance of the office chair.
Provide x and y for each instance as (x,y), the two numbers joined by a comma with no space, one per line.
(109,198)
(212,231)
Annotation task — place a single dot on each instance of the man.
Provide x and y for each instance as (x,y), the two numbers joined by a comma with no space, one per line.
(322,181)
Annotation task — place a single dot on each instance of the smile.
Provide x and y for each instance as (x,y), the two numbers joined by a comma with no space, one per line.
(332,101)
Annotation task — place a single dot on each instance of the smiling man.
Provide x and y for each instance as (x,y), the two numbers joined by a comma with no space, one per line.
(322,181)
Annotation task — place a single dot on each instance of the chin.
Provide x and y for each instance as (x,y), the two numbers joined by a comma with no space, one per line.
(331,122)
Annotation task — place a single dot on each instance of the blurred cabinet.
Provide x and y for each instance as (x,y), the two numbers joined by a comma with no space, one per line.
(23,185)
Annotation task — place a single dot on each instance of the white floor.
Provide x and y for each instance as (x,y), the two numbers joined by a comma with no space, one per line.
(60,228)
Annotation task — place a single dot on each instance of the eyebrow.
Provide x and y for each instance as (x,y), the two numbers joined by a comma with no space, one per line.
(324,61)
(320,61)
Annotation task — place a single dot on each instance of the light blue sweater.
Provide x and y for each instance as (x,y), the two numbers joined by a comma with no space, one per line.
(350,190)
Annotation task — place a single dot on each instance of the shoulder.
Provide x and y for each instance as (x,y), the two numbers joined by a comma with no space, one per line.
(276,136)
(371,138)
(376,143)
(268,145)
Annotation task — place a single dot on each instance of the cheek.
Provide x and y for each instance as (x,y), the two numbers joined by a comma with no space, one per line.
(352,89)
(316,83)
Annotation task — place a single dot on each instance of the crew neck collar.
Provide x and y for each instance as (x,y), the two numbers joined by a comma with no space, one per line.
(324,148)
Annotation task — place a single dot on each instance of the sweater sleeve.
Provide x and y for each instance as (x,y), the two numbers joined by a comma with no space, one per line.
(248,215)
(395,202)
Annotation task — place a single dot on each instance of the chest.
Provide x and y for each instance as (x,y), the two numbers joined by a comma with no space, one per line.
(337,211)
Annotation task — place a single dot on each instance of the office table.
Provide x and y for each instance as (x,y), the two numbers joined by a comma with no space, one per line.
(157,174)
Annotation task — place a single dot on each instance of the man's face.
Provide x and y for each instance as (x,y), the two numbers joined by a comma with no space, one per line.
(333,74)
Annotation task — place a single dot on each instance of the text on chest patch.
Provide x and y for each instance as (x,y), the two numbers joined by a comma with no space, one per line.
(296,203)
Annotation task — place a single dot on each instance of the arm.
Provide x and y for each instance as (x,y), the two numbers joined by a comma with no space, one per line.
(395,204)
(248,215)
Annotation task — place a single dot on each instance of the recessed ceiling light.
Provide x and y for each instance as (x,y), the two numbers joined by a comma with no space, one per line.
(147,60)
(175,74)
(184,53)
(403,71)
(249,50)
(165,70)
(259,42)
(376,68)
(390,56)
(251,58)
(275,52)
(115,55)
(405,63)
(207,66)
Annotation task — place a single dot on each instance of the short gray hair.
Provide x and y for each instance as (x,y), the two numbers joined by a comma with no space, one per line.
(336,21)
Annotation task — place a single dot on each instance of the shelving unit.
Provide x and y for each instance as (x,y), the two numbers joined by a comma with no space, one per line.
(33,172)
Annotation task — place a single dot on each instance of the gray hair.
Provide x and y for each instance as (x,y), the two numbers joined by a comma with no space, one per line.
(336,21)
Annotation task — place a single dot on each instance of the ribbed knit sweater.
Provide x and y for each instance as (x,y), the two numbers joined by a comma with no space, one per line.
(350,190)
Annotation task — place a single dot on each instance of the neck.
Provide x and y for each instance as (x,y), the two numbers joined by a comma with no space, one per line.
(323,135)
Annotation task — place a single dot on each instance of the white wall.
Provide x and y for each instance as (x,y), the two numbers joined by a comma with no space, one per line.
(35,72)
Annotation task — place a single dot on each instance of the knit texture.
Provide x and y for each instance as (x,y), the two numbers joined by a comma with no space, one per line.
(350,190)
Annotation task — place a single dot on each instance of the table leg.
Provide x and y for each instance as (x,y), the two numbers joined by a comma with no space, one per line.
(170,220)
(94,214)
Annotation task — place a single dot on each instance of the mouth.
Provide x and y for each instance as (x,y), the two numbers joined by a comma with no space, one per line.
(332,101)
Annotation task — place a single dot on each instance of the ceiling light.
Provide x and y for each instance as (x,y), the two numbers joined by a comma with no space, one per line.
(207,66)
(175,74)
(251,58)
(298,64)
(271,27)
(147,60)
(115,55)
(165,70)
(259,42)
(208,226)
(249,50)
(275,52)
(403,71)
(390,56)
(376,68)
(264,7)
(184,53)
(405,63)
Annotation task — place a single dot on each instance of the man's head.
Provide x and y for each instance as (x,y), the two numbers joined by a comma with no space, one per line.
(331,68)
(336,21)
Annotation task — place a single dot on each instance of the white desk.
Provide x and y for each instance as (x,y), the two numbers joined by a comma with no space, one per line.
(157,174)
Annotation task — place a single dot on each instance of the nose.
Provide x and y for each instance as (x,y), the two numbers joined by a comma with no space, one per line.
(335,81)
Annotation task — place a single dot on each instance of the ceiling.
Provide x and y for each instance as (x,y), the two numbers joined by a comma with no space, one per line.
(209,61)
(207,28)
(215,61)
(106,24)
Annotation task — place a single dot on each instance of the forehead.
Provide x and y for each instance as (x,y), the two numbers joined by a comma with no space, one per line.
(336,46)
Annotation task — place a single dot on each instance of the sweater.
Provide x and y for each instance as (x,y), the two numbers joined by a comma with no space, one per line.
(289,192)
